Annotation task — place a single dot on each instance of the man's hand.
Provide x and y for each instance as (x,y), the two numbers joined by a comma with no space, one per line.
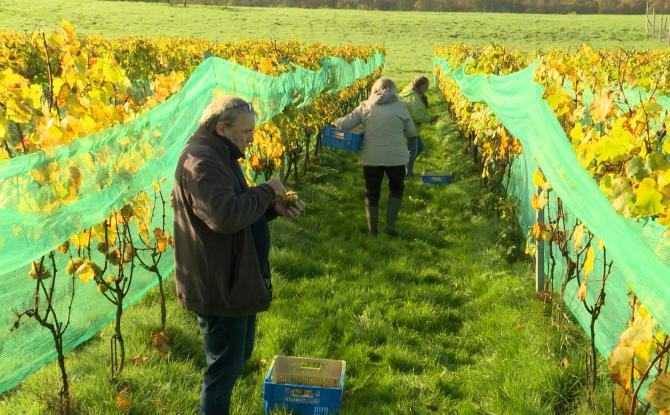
(290,205)
(277,187)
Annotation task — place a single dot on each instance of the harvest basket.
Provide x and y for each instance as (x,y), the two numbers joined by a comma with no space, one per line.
(436,177)
(342,140)
(306,386)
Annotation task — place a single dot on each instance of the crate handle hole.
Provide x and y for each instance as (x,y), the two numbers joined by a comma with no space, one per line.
(302,392)
(310,365)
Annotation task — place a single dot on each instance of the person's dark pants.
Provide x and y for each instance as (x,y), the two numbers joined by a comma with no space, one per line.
(373,182)
(415,145)
(229,342)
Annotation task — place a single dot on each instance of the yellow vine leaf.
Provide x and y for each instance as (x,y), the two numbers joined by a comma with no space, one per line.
(613,148)
(73,265)
(99,231)
(538,178)
(86,272)
(577,134)
(64,247)
(578,235)
(81,240)
(266,66)
(539,231)
(538,202)
(3,127)
(39,271)
(621,357)
(17,113)
(623,398)
(648,199)
(33,95)
(602,107)
(161,239)
(581,292)
(68,29)
(641,331)
(659,394)
(588,263)
(636,345)
(663,179)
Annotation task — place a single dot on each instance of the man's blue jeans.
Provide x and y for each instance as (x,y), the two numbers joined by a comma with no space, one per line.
(229,342)
(415,145)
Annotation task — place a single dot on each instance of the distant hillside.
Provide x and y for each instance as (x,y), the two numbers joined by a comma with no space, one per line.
(509,6)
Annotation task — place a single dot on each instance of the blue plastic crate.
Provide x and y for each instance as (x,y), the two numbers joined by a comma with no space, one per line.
(436,178)
(343,140)
(303,385)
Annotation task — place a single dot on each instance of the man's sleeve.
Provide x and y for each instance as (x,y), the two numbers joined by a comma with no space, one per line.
(214,199)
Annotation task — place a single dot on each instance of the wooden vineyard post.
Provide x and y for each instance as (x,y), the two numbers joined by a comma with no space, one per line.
(653,21)
(539,252)
(646,19)
(661,24)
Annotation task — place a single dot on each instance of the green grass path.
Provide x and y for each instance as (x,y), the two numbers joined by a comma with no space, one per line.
(434,322)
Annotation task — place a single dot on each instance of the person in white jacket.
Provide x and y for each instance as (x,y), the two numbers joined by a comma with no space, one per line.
(387,124)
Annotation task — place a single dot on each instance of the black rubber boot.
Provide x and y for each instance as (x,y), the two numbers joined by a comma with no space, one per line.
(391,216)
(372,214)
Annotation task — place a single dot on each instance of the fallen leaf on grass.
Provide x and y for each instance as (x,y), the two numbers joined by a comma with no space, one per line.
(564,363)
(545,296)
(260,364)
(138,360)
(161,342)
(122,402)
(122,399)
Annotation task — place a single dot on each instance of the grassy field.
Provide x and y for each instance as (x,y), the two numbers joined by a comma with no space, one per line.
(436,322)
(408,36)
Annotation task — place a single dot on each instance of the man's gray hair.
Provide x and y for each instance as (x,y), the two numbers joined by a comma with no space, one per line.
(382,84)
(226,109)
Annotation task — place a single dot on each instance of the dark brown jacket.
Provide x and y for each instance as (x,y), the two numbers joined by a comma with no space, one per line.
(217,268)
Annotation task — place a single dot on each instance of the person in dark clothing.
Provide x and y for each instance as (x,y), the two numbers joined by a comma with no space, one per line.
(222,243)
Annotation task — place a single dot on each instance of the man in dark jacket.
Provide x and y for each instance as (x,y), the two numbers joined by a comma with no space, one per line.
(222,242)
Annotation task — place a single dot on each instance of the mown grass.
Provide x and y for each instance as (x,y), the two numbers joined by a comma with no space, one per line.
(408,36)
(434,322)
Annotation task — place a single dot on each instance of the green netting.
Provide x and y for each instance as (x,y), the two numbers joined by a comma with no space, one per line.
(114,166)
(639,249)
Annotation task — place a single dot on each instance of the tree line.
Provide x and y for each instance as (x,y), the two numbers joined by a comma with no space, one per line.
(500,6)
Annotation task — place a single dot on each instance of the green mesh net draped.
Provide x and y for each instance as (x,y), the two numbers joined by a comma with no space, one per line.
(114,165)
(640,252)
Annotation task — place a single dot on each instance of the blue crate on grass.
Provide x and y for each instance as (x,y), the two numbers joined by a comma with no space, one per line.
(303,385)
(436,177)
(343,140)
